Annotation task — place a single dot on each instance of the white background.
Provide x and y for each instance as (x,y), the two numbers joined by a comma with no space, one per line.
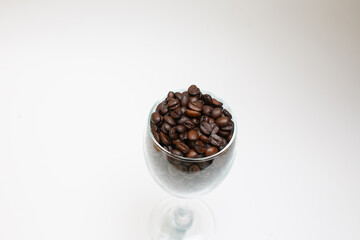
(77,79)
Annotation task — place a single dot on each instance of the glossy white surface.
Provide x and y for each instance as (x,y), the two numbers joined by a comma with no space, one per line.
(77,80)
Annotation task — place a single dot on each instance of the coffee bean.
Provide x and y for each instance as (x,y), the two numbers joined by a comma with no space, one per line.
(182,120)
(165,138)
(204,119)
(176,141)
(194,168)
(156,136)
(228,128)
(226,113)
(178,95)
(164,109)
(173,103)
(193,135)
(192,113)
(211,151)
(169,120)
(196,106)
(216,112)
(189,124)
(211,120)
(205,164)
(205,128)
(207,110)
(222,121)
(177,152)
(153,127)
(215,140)
(216,103)
(185,99)
(176,113)
(165,127)
(183,136)
(223,133)
(199,147)
(173,133)
(193,90)
(204,138)
(171,94)
(183,147)
(183,109)
(194,99)
(180,128)
(228,138)
(215,128)
(156,118)
(196,121)
(191,154)
(207,99)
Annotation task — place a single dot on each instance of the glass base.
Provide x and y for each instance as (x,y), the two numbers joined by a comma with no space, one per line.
(177,219)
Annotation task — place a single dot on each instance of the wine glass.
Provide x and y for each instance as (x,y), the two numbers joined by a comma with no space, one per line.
(185,217)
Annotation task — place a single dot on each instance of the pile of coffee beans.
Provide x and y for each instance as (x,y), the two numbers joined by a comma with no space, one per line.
(192,124)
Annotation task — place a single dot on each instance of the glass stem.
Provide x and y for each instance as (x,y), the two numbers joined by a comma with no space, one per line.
(182,220)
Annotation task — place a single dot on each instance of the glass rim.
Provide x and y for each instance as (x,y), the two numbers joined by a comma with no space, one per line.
(187,159)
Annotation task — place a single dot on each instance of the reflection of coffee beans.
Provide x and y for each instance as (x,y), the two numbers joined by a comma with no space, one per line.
(192,124)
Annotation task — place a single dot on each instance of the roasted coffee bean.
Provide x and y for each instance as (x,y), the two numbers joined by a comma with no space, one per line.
(207,99)
(227,114)
(228,128)
(153,127)
(186,163)
(204,138)
(205,128)
(189,124)
(173,133)
(223,133)
(185,99)
(164,109)
(165,138)
(196,106)
(169,120)
(178,95)
(215,128)
(177,152)
(193,90)
(165,127)
(211,120)
(216,112)
(193,135)
(191,154)
(194,99)
(194,168)
(205,164)
(200,147)
(211,151)
(183,136)
(176,141)
(156,136)
(171,94)
(156,118)
(216,103)
(192,113)
(223,144)
(204,119)
(228,138)
(207,110)
(215,140)
(176,113)
(182,120)
(183,109)
(222,121)
(196,121)
(183,147)
(173,103)
(180,128)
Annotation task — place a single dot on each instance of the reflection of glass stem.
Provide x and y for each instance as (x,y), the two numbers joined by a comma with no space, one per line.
(178,222)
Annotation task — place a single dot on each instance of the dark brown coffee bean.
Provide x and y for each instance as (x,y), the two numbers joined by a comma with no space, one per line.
(215,140)
(173,133)
(205,164)
(189,124)
(196,106)
(223,133)
(153,127)
(228,138)
(187,163)
(193,135)
(207,99)
(171,94)
(211,151)
(183,136)
(223,144)
(176,141)
(176,113)
(156,118)
(193,90)
(216,103)
(180,128)
(177,152)
(196,121)
(169,120)
(228,128)
(178,95)
(211,120)
(199,147)
(222,121)
(204,138)
(226,113)
(204,119)
(205,128)
(207,110)
(191,154)
(194,99)
(164,109)
(165,127)
(173,103)
(183,109)
(194,168)
(183,147)
(156,136)
(165,138)
(216,112)
(215,128)
(192,113)
(185,99)
(182,120)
